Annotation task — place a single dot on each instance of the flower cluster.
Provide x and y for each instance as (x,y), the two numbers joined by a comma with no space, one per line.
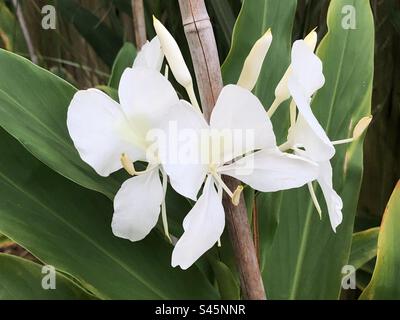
(151,124)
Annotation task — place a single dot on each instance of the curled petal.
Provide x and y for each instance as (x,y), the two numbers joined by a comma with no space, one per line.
(137,206)
(203,226)
(306,68)
(310,135)
(333,200)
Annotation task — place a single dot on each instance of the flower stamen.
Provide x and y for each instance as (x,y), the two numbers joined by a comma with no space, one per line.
(314,198)
(130,168)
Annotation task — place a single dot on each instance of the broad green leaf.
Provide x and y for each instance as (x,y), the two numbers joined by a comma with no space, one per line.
(363,247)
(305,251)
(255,17)
(69,227)
(104,41)
(124,60)
(227,283)
(3,239)
(33,109)
(225,17)
(21,279)
(386,277)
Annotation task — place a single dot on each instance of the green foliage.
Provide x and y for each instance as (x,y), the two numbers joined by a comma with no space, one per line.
(363,247)
(103,40)
(69,228)
(386,276)
(124,60)
(21,280)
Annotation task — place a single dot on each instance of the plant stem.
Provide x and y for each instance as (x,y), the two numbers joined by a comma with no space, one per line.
(25,31)
(203,49)
(139,24)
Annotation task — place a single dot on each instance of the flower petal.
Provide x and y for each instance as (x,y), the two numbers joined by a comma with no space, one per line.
(306,68)
(145,95)
(271,170)
(317,145)
(307,130)
(137,206)
(239,111)
(93,120)
(150,55)
(333,200)
(180,149)
(204,225)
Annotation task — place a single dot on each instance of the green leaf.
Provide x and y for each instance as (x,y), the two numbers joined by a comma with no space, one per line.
(255,17)
(225,18)
(227,284)
(305,251)
(33,109)
(69,227)
(363,247)
(111,92)
(21,279)
(124,60)
(385,280)
(104,41)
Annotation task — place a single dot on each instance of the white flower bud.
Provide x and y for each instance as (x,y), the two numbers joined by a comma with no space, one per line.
(173,54)
(254,62)
(311,40)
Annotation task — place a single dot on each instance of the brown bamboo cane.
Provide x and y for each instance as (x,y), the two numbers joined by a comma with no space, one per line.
(139,24)
(203,49)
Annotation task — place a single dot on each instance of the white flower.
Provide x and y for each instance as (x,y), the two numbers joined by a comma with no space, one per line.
(302,136)
(265,167)
(109,136)
(253,64)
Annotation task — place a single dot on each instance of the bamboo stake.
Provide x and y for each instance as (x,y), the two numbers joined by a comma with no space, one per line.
(203,49)
(25,31)
(139,23)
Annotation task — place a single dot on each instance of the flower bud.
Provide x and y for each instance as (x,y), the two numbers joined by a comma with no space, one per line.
(254,62)
(173,54)
(361,126)
(311,40)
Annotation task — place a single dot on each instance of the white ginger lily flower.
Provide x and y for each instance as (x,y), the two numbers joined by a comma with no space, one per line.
(267,169)
(109,136)
(304,78)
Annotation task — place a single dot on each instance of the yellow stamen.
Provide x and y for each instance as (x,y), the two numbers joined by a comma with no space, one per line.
(236,195)
(128,164)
